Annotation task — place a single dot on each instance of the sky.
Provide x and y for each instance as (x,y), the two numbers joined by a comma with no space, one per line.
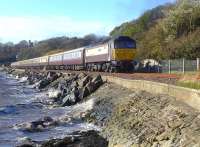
(42,19)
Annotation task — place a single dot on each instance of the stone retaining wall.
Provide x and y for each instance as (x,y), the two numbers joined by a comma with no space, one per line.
(189,96)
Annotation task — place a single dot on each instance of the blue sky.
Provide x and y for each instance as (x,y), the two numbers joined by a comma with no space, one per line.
(41,19)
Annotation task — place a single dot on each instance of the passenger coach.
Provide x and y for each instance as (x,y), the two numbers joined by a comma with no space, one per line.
(74,59)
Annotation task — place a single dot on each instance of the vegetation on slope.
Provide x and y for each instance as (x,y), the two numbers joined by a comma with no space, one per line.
(169,31)
(8,51)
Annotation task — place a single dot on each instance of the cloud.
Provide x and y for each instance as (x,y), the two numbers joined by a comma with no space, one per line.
(13,28)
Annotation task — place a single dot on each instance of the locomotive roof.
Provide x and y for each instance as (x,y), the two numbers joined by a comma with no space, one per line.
(122,38)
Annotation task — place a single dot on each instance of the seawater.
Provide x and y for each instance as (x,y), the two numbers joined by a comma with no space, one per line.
(20,103)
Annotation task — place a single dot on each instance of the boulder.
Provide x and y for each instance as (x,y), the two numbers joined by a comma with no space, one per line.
(38,125)
(53,77)
(30,127)
(26,145)
(47,119)
(75,96)
(94,84)
(70,99)
(64,119)
(97,81)
(76,92)
(57,81)
(31,80)
(54,93)
(82,82)
(81,75)
(82,88)
(43,83)
(50,74)
(25,142)
(90,87)
(74,84)
(83,92)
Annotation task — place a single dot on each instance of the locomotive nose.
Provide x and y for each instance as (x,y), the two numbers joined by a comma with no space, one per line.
(123,54)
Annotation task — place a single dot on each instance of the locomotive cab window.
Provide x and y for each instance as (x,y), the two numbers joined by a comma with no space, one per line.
(125,44)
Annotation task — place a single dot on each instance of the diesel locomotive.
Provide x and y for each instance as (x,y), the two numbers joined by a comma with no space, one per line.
(113,56)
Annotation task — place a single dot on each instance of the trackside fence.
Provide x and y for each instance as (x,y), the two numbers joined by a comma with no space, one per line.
(179,65)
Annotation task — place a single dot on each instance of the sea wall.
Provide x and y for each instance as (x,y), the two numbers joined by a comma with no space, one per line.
(186,95)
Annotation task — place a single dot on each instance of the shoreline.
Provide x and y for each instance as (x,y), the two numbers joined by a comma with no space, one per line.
(70,91)
(135,118)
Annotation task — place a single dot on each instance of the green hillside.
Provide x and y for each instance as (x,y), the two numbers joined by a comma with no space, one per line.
(169,31)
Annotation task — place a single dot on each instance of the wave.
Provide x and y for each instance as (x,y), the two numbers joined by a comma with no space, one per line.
(23,79)
(16,109)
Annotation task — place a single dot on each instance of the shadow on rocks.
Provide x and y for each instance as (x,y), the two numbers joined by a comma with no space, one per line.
(77,139)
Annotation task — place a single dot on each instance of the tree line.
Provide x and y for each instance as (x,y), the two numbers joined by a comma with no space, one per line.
(59,44)
(167,31)
(10,52)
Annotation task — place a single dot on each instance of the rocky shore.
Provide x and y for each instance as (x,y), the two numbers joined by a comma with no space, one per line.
(127,117)
(63,90)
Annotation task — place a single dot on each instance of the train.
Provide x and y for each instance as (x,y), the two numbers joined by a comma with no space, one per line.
(115,55)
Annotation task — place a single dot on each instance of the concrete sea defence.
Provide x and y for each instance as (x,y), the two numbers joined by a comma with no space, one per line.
(135,118)
(189,96)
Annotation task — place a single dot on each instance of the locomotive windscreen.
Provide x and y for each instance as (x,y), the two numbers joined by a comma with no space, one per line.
(125,43)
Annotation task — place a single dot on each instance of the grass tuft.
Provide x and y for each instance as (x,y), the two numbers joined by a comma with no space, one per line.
(192,85)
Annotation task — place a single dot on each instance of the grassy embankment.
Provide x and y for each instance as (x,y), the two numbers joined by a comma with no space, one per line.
(189,80)
(192,85)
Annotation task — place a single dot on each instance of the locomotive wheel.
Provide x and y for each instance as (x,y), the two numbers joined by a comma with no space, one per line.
(108,67)
(113,70)
(99,67)
(103,68)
